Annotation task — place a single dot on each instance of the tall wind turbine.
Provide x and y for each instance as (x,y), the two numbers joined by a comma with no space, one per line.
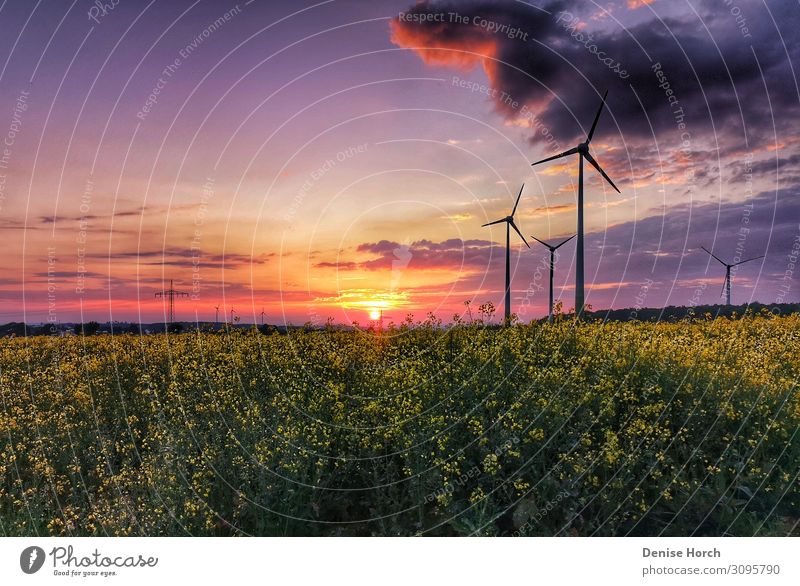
(726,286)
(582,150)
(552,250)
(509,220)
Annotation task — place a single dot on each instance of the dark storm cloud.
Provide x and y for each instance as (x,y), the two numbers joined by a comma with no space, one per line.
(453,254)
(382,247)
(777,167)
(724,82)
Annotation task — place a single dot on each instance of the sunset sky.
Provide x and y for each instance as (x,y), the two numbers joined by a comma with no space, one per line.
(326,159)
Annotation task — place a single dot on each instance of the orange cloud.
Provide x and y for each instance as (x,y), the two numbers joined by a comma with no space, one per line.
(633,4)
(438,49)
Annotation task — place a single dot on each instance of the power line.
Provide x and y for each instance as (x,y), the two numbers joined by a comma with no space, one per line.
(170,294)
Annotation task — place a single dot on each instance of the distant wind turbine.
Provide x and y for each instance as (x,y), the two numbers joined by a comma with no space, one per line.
(726,285)
(509,220)
(582,150)
(552,250)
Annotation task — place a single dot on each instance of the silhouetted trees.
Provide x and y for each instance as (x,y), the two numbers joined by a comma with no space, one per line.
(88,329)
(673,313)
(175,328)
(134,328)
(14,329)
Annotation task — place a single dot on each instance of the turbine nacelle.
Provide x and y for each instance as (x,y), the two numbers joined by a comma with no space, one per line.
(509,220)
(730,265)
(726,283)
(551,247)
(582,149)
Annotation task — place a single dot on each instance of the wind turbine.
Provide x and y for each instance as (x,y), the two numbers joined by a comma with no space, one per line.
(509,220)
(552,250)
(726,285)
(582,150)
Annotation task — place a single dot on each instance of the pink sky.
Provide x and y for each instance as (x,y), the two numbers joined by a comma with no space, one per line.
(321,162)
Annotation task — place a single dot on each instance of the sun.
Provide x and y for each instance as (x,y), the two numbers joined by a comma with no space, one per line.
(374,314)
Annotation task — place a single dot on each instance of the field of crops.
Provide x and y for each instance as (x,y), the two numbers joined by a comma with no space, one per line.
(596,429)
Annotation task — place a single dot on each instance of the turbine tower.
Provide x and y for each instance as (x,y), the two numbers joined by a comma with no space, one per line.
(509,220)
(726,285)
(170,294)
(552,250)
(582,150)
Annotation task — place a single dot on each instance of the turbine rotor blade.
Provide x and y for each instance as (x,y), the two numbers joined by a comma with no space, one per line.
(514,211)
(714,255)
(571,151)
(596,118)
(513,225)
(493,223)
(541,242)
(749,259)
(565,241)
(594,164)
